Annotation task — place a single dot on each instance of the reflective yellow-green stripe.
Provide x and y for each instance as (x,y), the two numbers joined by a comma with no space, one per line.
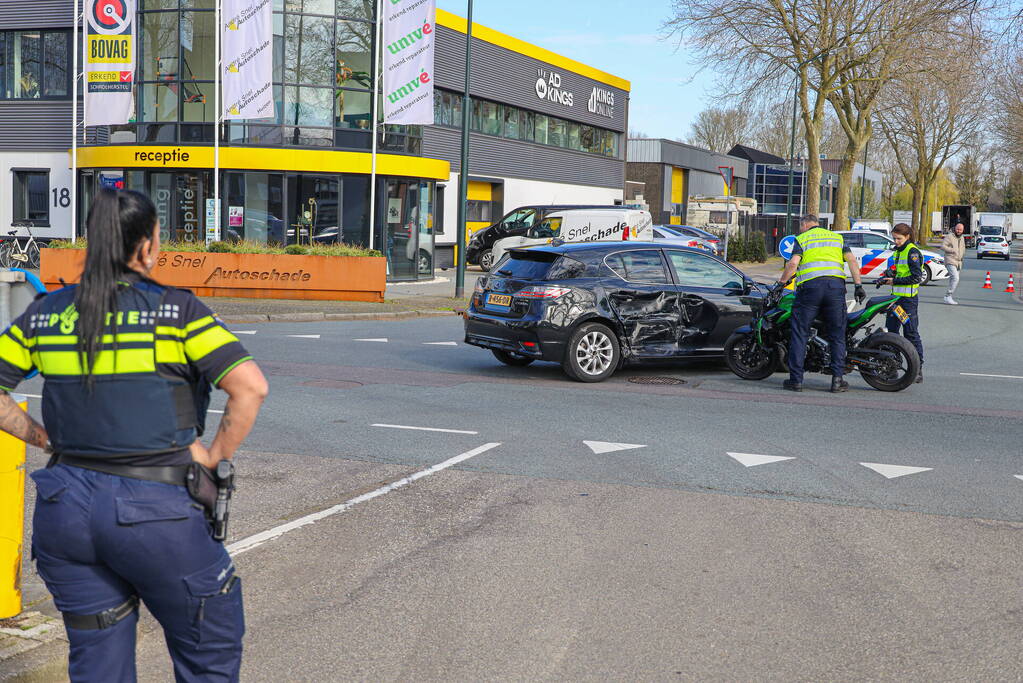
(17,333)
(208,341)
(15,353)
(120,362)
(57,339)
(72,339)
(170,351)
(229,368)
(170,331)
(196,324)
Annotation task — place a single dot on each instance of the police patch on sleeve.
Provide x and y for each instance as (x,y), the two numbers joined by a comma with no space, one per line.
(914,257)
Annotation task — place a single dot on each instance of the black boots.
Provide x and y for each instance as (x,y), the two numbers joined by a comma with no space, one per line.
(792,386)
(838,385)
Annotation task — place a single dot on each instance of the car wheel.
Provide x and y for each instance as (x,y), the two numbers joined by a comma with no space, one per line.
(425,262)
(486,260)
(979,257)
(592,354)
(927,275)
(511,358)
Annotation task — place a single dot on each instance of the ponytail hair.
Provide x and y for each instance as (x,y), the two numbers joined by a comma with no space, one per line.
(903,229)
(118,222)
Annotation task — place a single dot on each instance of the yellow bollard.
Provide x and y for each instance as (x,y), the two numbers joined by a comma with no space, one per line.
(12,518)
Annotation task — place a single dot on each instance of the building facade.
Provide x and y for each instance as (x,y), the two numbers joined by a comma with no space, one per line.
(668,174)
(545,129)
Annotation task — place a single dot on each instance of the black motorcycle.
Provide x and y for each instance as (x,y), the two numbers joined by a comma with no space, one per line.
(887,362)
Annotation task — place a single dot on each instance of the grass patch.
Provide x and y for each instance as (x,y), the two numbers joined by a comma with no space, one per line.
(245,247)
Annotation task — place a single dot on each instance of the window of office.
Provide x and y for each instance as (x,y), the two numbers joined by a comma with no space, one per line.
(356,9)
(31,197)
(34,64)
(354,53)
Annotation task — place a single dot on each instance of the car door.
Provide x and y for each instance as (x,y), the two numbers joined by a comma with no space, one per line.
(642,296)
(876,255)
(713,300)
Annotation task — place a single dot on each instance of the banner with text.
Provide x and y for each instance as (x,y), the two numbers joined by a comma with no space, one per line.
(109,61)
(247,47)
(408,61)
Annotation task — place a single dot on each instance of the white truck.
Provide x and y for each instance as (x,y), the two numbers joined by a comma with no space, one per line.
(1000,225)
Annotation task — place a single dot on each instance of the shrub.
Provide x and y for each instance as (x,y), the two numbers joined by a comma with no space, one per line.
(296,250)
(756,248)
(219,248)
(736,248)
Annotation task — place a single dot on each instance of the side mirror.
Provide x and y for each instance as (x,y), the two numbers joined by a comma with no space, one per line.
(533,233)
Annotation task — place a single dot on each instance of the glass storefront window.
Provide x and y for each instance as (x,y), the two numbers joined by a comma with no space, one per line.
(356,9)
(587,136)
(55,64)
(527,125)
(159,102)
(159,43)
(573,136)
(491,114)
(353,110)
(511,122)
(34,64)
(313,210)
(309,137)
(255,206)
(556,135)
(354,50)
(161,192)
(308,50)
(310,6)
(308,106)
(540,134)
(197,45)
(197,102)
(158,4)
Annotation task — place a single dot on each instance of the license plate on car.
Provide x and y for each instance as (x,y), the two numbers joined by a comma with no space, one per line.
(499,300)
(902,315)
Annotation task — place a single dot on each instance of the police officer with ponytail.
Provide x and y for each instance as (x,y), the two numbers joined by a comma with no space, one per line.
(905,282)
(128,365)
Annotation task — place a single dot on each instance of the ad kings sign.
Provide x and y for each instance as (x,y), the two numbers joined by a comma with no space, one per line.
(109,60)
(409,39)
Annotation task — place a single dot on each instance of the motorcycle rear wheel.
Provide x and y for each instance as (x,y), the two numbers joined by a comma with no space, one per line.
(904,369)
(764,363)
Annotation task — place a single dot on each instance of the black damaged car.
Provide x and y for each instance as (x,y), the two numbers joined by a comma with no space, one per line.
(594,306)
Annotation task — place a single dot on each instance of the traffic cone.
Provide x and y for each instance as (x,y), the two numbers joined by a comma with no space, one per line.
(1010,288)
(987,281)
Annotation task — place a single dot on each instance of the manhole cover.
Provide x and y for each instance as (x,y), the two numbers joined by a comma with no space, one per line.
(657,380)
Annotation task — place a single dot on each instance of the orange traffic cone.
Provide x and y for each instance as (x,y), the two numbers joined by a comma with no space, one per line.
(1010,288)
(987,281)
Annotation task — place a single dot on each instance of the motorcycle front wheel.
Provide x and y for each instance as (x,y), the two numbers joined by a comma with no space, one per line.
(898,372)
(749,360)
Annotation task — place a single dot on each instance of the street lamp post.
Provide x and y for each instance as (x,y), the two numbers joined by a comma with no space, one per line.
(463,171)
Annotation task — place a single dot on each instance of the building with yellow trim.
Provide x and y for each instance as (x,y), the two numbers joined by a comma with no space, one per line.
(545,129)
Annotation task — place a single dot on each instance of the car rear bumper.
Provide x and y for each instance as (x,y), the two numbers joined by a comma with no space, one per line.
(523,336)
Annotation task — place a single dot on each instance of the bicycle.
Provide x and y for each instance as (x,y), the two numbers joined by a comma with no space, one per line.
(13,254)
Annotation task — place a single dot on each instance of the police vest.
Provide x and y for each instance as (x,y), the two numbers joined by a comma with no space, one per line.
(822,255)
(130,407)
(902,270)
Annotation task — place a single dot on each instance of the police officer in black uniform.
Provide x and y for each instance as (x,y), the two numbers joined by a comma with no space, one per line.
(128,365)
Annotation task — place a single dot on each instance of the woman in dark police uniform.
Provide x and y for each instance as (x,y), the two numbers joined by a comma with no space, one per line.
(128,365)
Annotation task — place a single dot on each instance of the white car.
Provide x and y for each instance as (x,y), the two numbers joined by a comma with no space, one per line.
(874,253)
(993,246)
(675,238)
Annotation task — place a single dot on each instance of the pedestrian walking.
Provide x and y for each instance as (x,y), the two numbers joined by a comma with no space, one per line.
(954,247)
(906,284)
(817,261)
(128,366)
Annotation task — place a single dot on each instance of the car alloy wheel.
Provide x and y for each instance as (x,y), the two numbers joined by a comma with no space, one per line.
(594,353)
(486,260)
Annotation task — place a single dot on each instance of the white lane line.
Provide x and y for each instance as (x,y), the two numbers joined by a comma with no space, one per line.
(424,429)
(893,471)
(440,343)
(381,340)
(244,331)
(28,395)
(978,374)
(221,412)
(752,459)
(304,336)
(255,540)
(599,447)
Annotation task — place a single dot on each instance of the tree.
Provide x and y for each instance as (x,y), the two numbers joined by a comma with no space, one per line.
(1014,191)
(772,130)
(719,129)
(871,206)
(1008,90)
(968,176)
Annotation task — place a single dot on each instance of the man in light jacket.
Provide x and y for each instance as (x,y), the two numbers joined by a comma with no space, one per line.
(954,247)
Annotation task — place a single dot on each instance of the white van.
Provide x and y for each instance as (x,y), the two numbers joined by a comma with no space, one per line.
(583,225)
(879,226)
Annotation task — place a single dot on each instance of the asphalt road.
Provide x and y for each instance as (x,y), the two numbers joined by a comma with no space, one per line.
(533,528)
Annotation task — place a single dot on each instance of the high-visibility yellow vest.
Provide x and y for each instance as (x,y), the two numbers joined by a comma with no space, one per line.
(902,270)
(822,255)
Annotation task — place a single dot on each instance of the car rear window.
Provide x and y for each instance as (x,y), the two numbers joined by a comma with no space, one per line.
(540,266)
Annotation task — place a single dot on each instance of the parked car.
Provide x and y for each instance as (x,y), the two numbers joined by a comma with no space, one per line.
(594,306)
(670,235)
(993,246)
(699,233)
(515,223)
(582,225)
(874,252)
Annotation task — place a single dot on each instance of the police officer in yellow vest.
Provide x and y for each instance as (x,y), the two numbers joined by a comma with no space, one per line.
(906,284)
(127,365)
(817,263)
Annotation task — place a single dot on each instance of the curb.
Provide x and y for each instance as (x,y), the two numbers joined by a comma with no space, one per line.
(316,317)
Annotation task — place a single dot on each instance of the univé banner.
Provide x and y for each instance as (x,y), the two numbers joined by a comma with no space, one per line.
(247,47)
(109,61)
(409,32)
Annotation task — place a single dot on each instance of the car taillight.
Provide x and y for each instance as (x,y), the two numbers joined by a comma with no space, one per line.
(478,289)
(542,292)
(693,244)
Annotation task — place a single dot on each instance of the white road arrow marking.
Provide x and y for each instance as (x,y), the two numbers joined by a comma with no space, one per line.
(1018,476)
(304,336)
(978,374)
(893,471)
(244,331)
(425,429)
(382,340)
(440,343)
(611,447)
(752,459)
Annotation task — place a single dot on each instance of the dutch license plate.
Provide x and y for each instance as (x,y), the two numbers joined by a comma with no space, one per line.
(902,315)
(499,300)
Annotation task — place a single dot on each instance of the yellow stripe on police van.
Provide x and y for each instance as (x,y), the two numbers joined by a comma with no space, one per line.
(208,341)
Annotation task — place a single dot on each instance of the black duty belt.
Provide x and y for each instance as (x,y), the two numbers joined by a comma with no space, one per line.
(105,619)
(169,474)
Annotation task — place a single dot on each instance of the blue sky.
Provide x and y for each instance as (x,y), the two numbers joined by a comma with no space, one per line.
(622,37)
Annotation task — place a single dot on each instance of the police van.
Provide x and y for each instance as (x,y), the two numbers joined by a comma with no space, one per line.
(582,225)
(874,252)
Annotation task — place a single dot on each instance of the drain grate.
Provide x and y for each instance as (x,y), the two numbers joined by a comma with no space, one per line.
(663,381)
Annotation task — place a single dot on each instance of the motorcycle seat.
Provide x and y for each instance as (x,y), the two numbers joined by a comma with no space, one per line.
(873,301)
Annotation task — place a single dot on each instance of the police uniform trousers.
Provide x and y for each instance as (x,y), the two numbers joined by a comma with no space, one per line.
(100,539)
(822,297)
(911,328)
